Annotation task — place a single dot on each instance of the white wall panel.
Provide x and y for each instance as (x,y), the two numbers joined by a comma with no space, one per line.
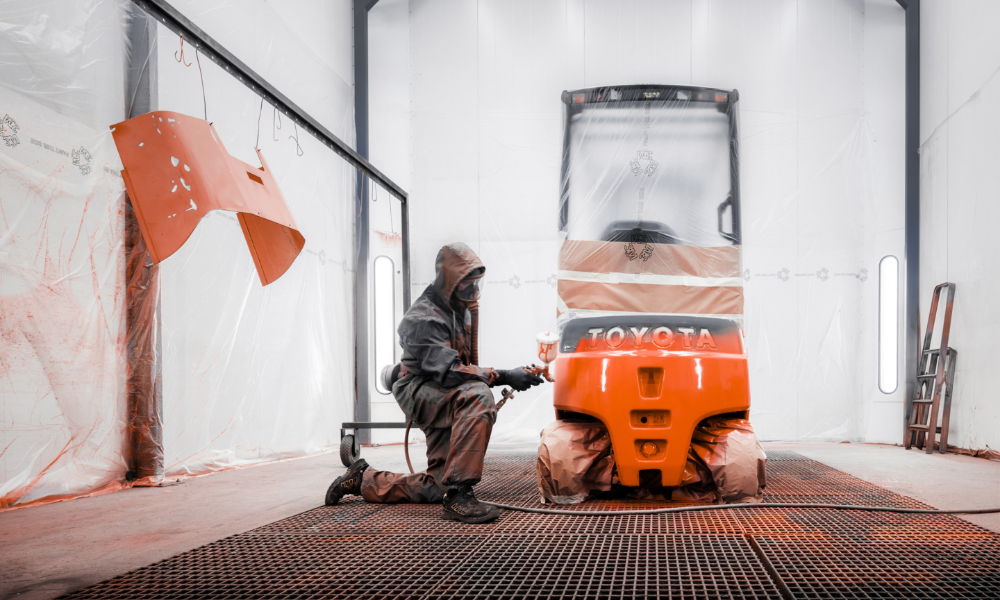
(960,125)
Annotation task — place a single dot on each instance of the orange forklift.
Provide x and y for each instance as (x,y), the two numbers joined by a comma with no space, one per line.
(650,271)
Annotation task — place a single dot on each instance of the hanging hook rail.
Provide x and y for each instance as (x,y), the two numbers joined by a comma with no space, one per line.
(181,25)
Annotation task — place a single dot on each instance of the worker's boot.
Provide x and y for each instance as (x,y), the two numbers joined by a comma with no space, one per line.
(348,483)
(460,504)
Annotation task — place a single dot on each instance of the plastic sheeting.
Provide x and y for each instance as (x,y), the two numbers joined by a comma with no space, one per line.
(252,373)
(574,459)
(650,203)
(62,264)
(725,464)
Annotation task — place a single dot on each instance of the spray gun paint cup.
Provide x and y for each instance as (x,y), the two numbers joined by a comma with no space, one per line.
(547,347)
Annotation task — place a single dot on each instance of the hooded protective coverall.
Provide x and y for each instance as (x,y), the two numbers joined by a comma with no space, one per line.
(444,394)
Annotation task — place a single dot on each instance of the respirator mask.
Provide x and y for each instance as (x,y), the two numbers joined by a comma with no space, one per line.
(469,289)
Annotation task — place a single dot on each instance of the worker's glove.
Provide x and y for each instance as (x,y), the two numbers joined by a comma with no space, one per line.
(518,378)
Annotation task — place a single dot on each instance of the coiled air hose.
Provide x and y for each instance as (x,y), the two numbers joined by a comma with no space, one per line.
(656,511)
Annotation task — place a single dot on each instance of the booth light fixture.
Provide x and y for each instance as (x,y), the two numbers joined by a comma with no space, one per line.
(888,324)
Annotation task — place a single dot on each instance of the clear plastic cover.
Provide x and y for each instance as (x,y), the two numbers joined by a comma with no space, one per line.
(650,202)
(253,373)
(63,425)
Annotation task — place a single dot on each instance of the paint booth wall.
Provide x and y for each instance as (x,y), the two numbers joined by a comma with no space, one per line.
(821,161)
(249,373)
(62,259)
(959,207)
(254,373)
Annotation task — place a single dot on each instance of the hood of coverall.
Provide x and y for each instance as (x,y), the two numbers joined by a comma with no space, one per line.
(454,263)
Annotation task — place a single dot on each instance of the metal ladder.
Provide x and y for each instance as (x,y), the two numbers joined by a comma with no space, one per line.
(933,374)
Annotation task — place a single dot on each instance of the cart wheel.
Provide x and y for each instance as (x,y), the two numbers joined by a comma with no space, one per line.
(349,451)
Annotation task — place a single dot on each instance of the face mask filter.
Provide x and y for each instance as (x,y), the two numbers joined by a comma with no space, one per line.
(469,289)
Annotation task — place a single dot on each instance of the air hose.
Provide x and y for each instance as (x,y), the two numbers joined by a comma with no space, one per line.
(406,446)
(474,311)
(678,509)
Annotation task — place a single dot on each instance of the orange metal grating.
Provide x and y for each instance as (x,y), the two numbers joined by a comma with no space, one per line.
(359,550)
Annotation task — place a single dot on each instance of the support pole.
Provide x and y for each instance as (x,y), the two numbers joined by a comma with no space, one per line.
(911,251)
(144,389)
(362,408)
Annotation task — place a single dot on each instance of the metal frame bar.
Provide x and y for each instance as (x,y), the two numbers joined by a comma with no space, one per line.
(362,407)
(362,401)
(372,425)
(911,251)
(144,390)
(173,20)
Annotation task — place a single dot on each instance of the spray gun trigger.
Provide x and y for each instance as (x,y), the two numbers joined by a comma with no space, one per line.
(507,395)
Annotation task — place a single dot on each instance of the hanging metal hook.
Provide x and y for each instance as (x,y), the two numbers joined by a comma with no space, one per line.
(179,55)
(298,149)
(275,116)
(204,99)
(256,144)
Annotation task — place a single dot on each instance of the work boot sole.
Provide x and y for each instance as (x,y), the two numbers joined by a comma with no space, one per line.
(489,517)
(333,495)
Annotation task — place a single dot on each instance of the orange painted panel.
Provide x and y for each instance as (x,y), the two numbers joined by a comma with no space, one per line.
(612,373)
(176,170)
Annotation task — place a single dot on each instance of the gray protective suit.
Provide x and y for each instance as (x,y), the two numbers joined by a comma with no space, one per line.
(447,396)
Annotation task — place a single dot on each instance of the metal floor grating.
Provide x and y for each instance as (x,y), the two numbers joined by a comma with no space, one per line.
(294,566)
(611,566)
(359,550)
(354,516)
(826,566)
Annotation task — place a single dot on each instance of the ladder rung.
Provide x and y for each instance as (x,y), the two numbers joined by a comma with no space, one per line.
(922,401)
(927,376)
(932,351)
(919,427)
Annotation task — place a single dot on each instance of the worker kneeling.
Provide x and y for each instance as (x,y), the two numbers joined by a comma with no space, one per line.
(441,388)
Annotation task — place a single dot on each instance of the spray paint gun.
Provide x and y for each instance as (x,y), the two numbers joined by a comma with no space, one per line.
(547,351)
